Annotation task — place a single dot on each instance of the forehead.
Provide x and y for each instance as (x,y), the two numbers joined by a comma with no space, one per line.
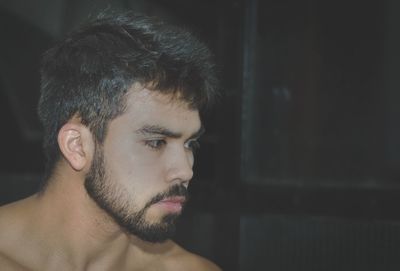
(144,106)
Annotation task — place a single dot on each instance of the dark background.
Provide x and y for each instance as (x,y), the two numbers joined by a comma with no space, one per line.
(300,166)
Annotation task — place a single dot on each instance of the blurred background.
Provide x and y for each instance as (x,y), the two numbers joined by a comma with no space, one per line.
(300,166)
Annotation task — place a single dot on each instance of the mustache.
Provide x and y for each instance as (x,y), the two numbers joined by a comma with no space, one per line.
(174,191)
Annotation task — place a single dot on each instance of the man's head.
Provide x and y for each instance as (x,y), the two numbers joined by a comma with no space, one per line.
(89,72)
(137,84)
(140,173)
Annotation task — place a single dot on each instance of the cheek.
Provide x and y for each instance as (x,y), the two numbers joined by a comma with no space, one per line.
(135,172)
(133,164)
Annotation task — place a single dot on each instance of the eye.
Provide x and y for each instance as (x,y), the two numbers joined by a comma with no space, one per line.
(192,145)
(155,143)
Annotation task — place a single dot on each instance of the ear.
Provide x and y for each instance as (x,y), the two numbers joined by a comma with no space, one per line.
(76,144)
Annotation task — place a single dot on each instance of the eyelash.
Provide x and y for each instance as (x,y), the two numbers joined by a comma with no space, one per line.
(157,144)
(193,145)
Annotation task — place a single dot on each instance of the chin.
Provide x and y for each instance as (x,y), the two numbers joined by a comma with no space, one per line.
(154,233)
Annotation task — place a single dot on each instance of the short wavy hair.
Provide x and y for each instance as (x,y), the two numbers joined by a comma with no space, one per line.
(88,73)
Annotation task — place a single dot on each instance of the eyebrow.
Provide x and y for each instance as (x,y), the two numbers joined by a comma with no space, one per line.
(159,130)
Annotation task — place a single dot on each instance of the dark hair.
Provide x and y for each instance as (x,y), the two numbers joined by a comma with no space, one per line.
(89,72)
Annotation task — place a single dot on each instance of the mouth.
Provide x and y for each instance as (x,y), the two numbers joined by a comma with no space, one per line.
(172,204)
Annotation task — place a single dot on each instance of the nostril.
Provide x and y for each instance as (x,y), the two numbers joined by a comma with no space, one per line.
(185,184)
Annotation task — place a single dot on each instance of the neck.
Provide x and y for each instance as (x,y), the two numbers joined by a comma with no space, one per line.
(76,230)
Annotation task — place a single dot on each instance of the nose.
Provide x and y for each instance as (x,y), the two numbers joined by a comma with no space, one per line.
(180,167)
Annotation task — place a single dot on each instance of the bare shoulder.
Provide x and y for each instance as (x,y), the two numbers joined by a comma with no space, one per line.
(183,260)
(9,211)
(8,217)
(11,217)
(10,237)
(8,264)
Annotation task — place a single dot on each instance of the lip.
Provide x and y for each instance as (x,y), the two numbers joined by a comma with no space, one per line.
(180,200)
(172,204)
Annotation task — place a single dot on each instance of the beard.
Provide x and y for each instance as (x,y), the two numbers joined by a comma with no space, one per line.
(117,203)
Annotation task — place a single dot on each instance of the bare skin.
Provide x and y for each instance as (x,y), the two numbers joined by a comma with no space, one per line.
(64,229)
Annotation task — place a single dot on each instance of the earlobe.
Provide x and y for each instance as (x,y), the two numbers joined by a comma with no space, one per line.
(72,140)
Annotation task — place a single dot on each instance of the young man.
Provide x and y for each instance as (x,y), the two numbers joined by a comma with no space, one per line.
(120,101)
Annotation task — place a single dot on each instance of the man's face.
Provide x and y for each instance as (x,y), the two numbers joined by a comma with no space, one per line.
(140,174)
